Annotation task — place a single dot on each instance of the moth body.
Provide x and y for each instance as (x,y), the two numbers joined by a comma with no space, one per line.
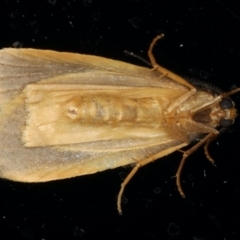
(64,115)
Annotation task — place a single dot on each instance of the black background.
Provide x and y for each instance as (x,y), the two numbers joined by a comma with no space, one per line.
(201,41)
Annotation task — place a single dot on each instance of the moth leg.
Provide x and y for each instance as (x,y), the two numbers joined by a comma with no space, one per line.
(206,140)
(162,75)
(172,76)
(140,164)
(124,184)
(164,70)
(208,156)
(150,50)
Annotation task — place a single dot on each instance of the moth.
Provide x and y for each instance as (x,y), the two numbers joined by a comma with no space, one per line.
(64,115)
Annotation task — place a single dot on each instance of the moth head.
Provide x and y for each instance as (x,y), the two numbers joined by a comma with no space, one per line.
(228,107)
(205,111)
(220,113)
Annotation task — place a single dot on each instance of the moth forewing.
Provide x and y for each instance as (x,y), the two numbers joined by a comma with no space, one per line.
(64,115)
(29,77)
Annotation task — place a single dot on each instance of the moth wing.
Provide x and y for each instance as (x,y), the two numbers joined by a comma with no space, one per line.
(20,67)
(40,164)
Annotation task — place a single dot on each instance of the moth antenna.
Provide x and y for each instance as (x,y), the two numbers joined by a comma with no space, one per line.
(230,92)
(138,57)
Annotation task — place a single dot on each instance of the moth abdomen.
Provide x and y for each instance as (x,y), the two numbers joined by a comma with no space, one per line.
(108,110)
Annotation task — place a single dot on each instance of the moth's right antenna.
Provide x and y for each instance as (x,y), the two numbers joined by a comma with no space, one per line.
(138,57)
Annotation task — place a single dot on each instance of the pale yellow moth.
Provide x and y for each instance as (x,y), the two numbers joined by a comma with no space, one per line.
(64,115)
